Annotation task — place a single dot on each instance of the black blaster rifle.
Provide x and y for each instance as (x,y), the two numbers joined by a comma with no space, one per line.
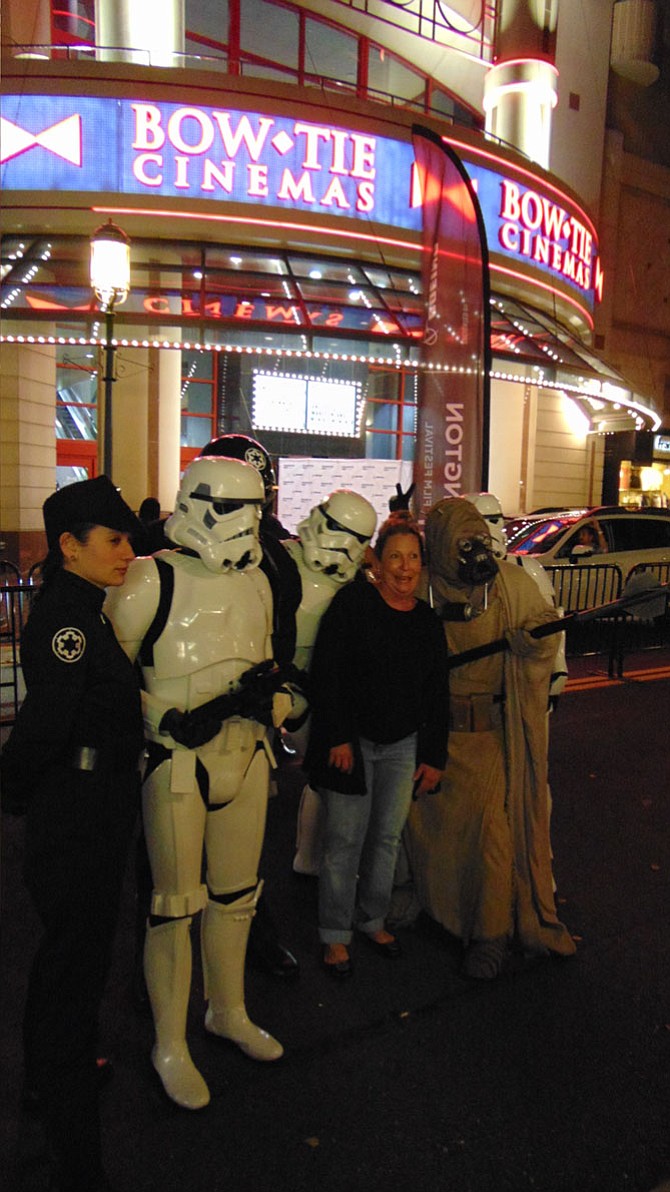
(251,701)
(638,596)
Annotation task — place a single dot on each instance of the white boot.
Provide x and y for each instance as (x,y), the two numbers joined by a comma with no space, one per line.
(309,836)
(224,935)
(167,967)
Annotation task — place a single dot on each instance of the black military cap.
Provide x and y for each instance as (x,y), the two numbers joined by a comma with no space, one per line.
(97,502)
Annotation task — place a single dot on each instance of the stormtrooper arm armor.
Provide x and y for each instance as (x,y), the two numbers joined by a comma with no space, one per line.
(132,607)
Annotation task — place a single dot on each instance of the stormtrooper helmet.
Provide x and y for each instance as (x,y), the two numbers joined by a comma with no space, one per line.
(217,513)
(335,534)
(491,510)
(235,446)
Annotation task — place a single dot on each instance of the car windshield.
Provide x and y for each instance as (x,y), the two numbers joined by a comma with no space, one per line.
(536,537)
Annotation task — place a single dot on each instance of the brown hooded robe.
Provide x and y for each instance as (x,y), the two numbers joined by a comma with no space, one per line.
(479,848)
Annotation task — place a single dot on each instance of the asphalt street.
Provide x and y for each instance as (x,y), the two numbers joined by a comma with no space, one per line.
(554,1078)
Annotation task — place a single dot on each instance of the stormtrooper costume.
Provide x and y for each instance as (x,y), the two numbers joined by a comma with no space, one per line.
(197,619)
(491,510)
(330,548)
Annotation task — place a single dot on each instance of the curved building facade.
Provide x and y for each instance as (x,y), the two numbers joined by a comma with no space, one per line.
(260,158)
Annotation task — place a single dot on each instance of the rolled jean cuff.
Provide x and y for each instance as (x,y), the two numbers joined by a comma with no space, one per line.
(335,935)
(371,927)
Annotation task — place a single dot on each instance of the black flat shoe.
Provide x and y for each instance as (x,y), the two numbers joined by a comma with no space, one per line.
(390,949)
(272,957)
(342,968)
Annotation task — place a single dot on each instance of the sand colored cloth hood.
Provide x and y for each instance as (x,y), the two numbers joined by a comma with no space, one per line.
(448,523)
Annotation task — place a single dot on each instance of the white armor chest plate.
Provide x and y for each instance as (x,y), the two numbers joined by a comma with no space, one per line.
(218,626)
(317,592)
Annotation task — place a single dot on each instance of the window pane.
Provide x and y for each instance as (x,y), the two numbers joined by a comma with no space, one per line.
(195,432)
(207,19)
(382,416)
(409,419)
(390,77)
(198,366)
(76,393)
(260,70)
(408,447)
(70,475)
(196,398)
(636,533)
(330,53)
(76,422)
(379,446)
(270,32)
(320,268)
(240,261)
(441,102)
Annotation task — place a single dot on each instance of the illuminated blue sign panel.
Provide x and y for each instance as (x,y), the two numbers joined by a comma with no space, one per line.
(253,160)
(533,224)
(172,150)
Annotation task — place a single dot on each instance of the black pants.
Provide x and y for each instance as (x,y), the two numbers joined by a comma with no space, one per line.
(78,831)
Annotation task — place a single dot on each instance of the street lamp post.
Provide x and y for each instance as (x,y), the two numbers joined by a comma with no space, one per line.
(110,279)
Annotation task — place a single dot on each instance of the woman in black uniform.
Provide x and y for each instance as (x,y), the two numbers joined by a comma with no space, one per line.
(73,757)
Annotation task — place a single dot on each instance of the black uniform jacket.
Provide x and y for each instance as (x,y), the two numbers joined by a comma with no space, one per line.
(82,690)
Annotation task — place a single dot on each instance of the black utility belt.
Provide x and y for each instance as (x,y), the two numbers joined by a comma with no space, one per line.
(91,758)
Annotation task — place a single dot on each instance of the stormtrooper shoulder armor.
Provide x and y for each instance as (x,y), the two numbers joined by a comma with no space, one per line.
(132,607)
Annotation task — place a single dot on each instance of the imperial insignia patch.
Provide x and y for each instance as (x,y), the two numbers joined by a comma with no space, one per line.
(68,644)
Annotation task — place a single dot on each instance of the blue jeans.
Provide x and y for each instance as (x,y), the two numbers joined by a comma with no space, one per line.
(362,837)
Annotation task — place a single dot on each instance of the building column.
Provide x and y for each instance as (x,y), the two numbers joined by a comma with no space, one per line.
(521,90)
(167,382)
(147,32)
(27,449)
(146,424)
(27,23)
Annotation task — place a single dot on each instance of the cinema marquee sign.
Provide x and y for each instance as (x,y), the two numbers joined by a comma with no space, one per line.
(526,221)
(129,147)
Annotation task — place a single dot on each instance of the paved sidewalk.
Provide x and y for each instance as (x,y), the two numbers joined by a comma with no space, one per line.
(555,1078)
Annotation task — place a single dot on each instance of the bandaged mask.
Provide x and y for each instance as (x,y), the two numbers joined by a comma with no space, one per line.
(476,561)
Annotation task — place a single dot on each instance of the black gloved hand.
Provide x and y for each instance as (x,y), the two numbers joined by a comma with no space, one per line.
(187,729)
(401,499)
(256,705)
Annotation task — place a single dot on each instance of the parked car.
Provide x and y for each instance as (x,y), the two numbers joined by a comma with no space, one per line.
(621,539)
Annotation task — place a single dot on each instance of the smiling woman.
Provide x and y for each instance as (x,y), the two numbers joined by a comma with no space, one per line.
(380,696)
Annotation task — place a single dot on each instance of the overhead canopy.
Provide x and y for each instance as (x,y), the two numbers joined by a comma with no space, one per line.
(526,346)
(212,295)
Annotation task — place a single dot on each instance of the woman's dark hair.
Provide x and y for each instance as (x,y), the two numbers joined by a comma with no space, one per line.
(53,561)
(400,522)
(149,510)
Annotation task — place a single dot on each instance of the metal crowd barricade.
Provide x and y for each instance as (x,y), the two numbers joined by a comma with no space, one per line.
(642,628)
(581,586)
(15,600)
